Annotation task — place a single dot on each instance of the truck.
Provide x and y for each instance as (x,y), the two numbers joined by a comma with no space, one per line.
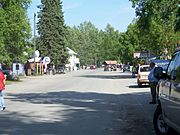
(166,119)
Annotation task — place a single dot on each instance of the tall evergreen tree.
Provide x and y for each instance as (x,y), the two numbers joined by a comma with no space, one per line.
(51,29)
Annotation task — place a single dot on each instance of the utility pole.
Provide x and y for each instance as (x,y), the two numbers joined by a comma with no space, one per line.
(34,42)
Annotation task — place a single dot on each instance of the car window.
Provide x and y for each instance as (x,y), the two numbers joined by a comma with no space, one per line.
(145,69)
(177,64)
(173,64)
(164,67)
(177,67)
(162,63)
(178,74)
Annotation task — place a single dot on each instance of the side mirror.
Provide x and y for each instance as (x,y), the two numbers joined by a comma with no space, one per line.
(158,72)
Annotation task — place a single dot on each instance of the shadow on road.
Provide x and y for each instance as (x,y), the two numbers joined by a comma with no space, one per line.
(136,86)
(83,114)
(107,76)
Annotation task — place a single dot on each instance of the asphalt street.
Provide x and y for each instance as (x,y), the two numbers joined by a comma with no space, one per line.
(85,102)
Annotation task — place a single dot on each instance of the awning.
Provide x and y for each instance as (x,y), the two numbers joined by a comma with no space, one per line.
(109,62)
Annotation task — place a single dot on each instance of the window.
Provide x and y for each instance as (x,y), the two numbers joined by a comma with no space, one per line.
(145,69)
(172,64)
(177,63)
(177,67)
(178,73)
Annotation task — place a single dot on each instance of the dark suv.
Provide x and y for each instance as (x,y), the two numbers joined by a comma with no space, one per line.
(167,115)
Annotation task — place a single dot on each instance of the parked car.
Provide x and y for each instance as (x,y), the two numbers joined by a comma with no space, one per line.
(126,68)
(92,67)
(142,75)
(166,116)
(61,69)
(107,68)
(162,63)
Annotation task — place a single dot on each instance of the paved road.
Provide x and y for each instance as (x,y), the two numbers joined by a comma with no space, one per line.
(77,103)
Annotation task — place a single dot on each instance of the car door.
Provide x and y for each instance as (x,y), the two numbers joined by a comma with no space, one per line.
(165,87)
(174,97)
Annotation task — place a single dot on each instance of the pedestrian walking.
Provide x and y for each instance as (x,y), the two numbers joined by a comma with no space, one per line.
(152,83)
(2,88)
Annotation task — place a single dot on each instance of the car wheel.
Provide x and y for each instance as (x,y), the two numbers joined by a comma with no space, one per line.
(160,126)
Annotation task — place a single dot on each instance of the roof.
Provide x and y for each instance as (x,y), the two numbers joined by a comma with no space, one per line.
(110,62)
(144,65)
(71,52)
(36,59)
(161,62)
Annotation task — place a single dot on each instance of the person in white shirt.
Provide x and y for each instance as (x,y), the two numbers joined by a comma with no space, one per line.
(152,83)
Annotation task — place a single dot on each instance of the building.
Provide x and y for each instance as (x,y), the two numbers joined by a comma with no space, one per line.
(74,63)
(110,65)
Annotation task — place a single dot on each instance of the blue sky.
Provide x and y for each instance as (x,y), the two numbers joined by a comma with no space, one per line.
(118,13)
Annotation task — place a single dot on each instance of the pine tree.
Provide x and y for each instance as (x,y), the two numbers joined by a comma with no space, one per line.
(51,29)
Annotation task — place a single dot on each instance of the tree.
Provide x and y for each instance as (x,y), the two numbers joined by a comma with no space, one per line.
(3,53)
(110,44)
(89,39)
(51,29)
(85,40)
(72,38)
(158,22)
(95,46)
(130,43)
(15,29)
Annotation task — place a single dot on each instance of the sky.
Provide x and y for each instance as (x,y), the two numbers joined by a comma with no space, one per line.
(118,13)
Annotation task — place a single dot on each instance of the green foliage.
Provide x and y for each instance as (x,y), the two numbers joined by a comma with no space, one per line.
(95,46)
(158,22)
(51,29)
(85,40)
(110,43)
(14,29)
(130,43)
(156,28)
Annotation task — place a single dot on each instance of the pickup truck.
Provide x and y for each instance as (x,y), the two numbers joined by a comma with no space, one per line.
(166,118)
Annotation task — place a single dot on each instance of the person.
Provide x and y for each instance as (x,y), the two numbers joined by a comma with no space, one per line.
(152,83)
(2,87)
(134,71)
(53,70)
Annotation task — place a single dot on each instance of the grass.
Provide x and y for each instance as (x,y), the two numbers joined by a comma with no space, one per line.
(8,82)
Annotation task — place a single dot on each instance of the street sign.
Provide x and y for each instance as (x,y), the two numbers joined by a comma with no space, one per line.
(46,60)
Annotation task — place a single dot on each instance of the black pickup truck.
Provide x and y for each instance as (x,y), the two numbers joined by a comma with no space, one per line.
(167,115)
